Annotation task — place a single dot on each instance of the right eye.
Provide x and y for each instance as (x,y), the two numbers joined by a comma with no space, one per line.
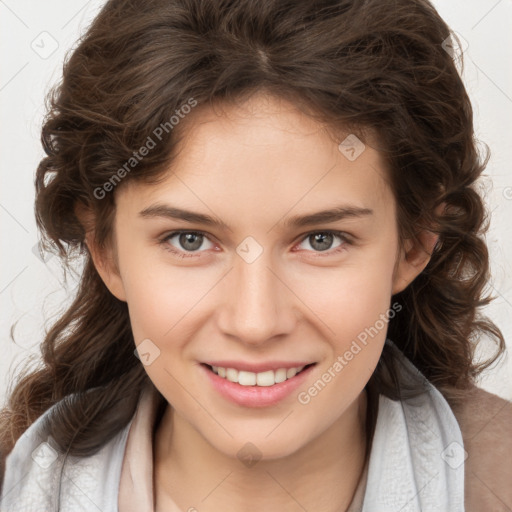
(188,242)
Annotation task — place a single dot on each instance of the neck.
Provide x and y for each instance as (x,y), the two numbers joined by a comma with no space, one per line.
(322,475)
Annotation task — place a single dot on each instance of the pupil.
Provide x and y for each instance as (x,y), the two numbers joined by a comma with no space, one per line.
(189,238)
(322,237)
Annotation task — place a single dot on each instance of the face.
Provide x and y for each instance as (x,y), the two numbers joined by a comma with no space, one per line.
(251,285)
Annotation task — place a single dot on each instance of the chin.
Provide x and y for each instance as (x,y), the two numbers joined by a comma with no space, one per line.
(250,449)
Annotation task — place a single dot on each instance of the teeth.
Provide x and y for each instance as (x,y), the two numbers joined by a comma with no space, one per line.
(232,374)
(268,378)
(291,372)
(246,378)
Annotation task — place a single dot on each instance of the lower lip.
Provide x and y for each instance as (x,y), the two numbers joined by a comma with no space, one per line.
(256,396)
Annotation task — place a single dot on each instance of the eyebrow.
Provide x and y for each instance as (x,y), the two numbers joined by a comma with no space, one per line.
(326,216)
(297,221)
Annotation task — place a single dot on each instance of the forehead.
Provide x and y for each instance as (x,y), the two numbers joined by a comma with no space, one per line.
(266,154)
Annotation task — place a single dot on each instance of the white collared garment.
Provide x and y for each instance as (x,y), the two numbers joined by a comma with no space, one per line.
(416,462)
(136,485)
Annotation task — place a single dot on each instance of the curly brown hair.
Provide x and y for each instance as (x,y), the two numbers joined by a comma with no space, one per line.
(373,65)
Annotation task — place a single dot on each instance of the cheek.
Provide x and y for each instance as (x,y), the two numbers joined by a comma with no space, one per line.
(353,303)
(159,305)
(352,296)
(354,309)
(160,295)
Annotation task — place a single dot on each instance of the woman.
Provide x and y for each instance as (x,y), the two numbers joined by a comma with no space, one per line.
(283,269)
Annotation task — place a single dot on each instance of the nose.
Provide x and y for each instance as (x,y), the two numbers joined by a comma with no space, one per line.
(257,305)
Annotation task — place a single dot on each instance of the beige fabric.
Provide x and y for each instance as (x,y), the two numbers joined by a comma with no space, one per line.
(136,484)
(485,421)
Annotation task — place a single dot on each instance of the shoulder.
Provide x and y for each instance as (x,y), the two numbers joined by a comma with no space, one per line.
(485,421)
(36,469)
(21,466)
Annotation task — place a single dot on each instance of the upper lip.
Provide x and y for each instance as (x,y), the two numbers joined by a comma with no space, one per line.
(258,367)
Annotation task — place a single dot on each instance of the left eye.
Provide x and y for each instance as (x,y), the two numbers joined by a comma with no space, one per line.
(321,241)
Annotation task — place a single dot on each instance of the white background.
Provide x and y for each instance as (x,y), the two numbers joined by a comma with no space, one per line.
(34,38)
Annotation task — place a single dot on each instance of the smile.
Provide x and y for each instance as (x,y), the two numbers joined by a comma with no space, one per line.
(256,388)
(267,378)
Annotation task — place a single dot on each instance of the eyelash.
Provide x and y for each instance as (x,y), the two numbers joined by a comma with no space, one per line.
(345,238)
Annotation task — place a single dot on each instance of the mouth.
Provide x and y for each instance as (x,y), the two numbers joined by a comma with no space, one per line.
(260,379)
(256,390)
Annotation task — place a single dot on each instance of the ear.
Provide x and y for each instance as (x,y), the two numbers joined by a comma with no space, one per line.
(414,257)
(104,259)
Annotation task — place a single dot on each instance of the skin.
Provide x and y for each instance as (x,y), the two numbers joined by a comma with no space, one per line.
(254,166)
